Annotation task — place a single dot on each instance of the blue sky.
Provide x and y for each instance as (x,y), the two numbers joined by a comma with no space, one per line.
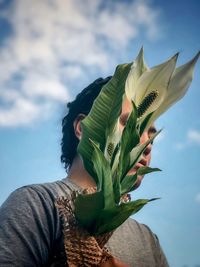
(51,50)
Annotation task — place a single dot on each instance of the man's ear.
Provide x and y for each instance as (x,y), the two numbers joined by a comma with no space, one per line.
(77,125)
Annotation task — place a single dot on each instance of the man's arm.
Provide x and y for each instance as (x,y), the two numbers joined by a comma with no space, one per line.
(27,229)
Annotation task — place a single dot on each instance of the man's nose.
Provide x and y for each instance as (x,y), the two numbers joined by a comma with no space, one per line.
(147,151)
(144,138)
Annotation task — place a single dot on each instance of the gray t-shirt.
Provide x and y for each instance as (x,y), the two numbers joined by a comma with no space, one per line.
(30,231)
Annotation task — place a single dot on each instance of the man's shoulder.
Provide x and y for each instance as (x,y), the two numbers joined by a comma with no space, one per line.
(52,190)
(44,194)
(137,227)
(136,244)
(132,227)
(30,223)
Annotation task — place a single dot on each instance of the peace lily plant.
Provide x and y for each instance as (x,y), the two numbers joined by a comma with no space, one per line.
(108,153)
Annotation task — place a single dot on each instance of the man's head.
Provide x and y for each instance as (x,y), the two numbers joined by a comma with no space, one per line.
(78,109)
(81,105)
(146,156)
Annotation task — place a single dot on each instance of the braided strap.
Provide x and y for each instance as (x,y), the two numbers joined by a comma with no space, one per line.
(81,248)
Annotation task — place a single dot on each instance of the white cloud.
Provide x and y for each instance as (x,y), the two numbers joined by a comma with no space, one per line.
(21,113)
(194,136)
(38,86)
(56,42)
(74,72)
(197,198)
(180,146)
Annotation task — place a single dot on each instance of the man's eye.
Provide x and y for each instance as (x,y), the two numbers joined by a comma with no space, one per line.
(152,142)
(151,132)
(150,135)
(123,121)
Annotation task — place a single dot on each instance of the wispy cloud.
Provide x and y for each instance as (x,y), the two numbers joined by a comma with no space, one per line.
(180,146)
(192,137)
(52,43)
(197,198)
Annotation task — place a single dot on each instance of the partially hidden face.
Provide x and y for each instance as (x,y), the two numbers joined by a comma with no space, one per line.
(146,157)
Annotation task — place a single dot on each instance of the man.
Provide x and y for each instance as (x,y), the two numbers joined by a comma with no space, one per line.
(31,229)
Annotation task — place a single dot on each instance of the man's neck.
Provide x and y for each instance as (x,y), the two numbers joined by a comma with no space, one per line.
(78,174)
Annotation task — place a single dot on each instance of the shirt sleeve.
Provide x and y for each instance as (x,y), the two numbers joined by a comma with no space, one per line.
(27,228)
(159,255)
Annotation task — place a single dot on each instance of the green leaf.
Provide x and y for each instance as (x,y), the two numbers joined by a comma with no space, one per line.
(137,152)
(127,183)
(103,171)
(130,138)
(116,150)
(103,116)
(144,122)
(145,170)
(111,219)
(117,189)
(90,204)
(112,143)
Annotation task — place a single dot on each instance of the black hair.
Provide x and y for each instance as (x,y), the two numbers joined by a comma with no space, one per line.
(81,105)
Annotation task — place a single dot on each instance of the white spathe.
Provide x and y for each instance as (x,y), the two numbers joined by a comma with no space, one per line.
(170,84)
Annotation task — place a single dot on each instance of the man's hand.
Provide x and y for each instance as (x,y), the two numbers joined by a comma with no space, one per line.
(113,262)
